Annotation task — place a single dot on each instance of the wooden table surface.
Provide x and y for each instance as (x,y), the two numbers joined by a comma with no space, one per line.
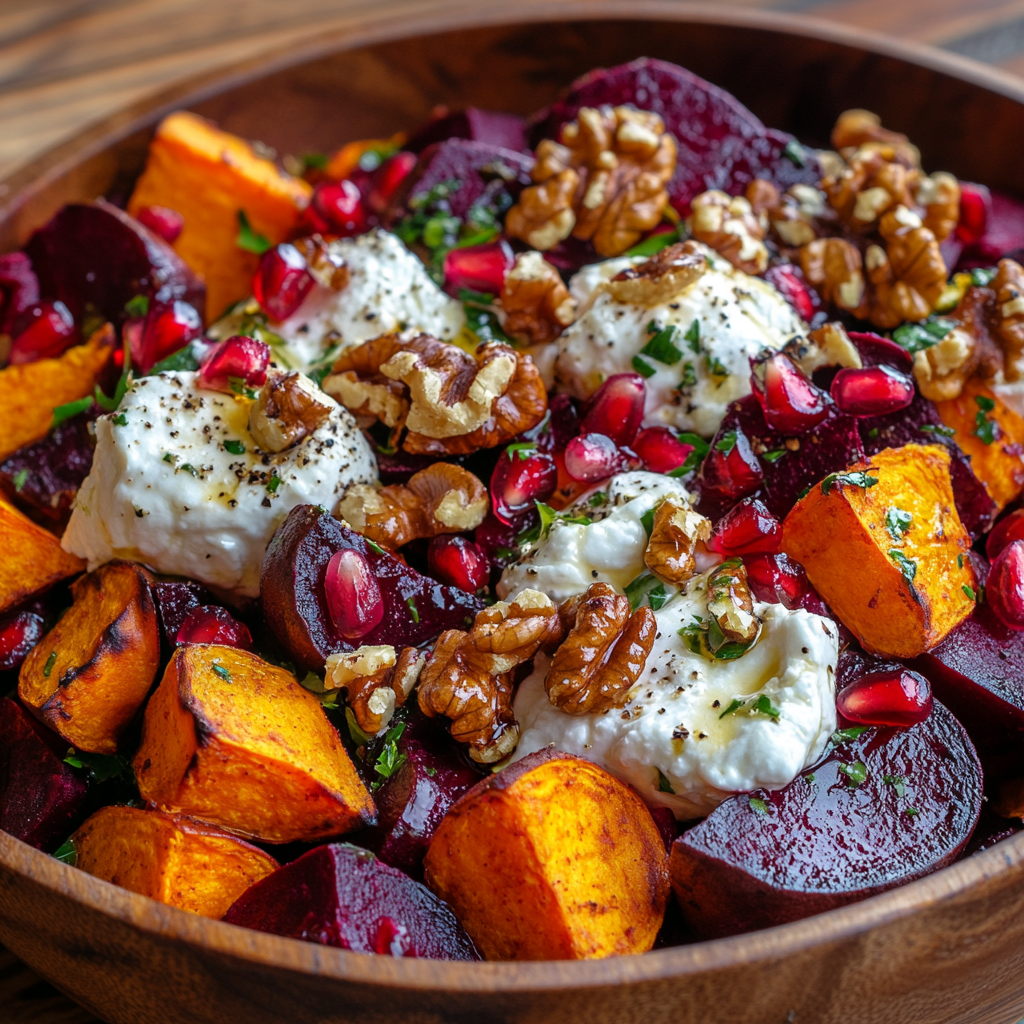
(66,63)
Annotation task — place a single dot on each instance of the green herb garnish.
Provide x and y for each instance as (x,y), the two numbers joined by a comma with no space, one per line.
(726,443)
(897,782)
(845,735)
(664,786)
(19,479)
(854,479)
(248,239)
(795,153)
(48,667)
(235,447)
(969,591)
(138,306)
(643,367)
(985,427)
(856,773)
(647,586)
(653,244)
(774,456)
(390,760)
(524,449)
(917,337)
(907,566)
(67,853)
(221,671)
(897,522)
(757,805)
(273,483)
(413,610)
(69,409)
(931,428)
(662,346)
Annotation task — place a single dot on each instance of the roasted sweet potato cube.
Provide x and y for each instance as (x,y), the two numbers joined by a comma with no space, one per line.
(992,435)
(31,558)
(883,545)
(89,675)
(233,740)
(170,858)
(208,176)
(552,859)
(29,392)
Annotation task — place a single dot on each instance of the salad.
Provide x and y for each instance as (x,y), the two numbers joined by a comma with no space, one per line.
(517,539)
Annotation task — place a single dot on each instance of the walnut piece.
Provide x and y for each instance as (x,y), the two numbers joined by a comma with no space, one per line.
(796,217)
(659,279)
(604,183)
(327,267)
(469,676)
(289,407)
(834,266)
(730,607)
(1008,285)
(856,128)
(872,183)
(450,402)
(439,499)
(602,657)
(375,680)
(535,301)
(827,345)
(729,225)
(674,536)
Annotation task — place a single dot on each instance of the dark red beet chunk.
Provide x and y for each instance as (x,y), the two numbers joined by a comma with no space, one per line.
(416,609)
(721,143)
(1003,235)
(837,834)
(41,798)
(19,288)
(211,624)
(978,672)
(342,896)
(175,601)
(44,331)
(874,350)
(489,126)
(95,253)
(20,630)
(991,830)
(43,478)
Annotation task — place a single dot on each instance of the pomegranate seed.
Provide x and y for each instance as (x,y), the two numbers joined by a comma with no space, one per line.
(747,529)
(480,268)
(591,457)
(731,469)
(898,698)
(521,476)
(975,210)
(497,540)
(281,281)
(873,391)
(660,450)
(164,330)
(617,408)
(353,597)
(386,180)
(1005,590)
(50,332)
(1005,532)
(19,633)
(162,221)
(211,624)
(239,359)
(790,284)
(458,562)
(337,208)
(791,403)
(19,288)
(779,580)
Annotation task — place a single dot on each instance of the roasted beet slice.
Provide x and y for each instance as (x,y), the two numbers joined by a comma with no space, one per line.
(790,465)
(721,143)
(991,829)
(416,608)
(93,254)
(341,895)
(978,672)
(42,799)
(43,478)
(487,175)
(175,601)
(19,289)
(412,802)
(1003,235)
(20,630)
(488,126)
(919,423)
(880,810)
(874,350)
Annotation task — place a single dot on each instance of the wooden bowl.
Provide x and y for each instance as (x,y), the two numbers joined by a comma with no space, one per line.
(949,947)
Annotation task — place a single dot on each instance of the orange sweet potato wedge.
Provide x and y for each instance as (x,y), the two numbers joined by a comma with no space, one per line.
(883,545)
(235,741)
(88,677)
(208,176)
(992,435)
(552,859)
(29,392)
(170,858)
(31,558)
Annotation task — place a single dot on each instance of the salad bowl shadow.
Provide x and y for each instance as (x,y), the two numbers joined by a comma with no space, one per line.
(946,948)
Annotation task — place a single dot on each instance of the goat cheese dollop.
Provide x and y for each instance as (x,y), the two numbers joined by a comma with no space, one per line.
(388,291)
(178,483)
(722,319)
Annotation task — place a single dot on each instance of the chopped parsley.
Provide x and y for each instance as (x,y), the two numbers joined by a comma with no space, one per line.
(726,443)
(138,306)
(985,427)
(841,736)
(120,420)
(662,344)
(101,767)
(856,773)
(735,705)
(524,449)
(548,517)
(374,547)
(647,521)
(898,783)
(959,561)
(654,244)
(643,367)
(187,467)
(920,336)
(359,737)
(897,522)
(69,409)
(688,377)
(239,387)
(235,447)
(715,366)
(248,239)
(912,812)
(390,760)
(762,705)
(757,805)
(774,456)
(940,431)
(692,337)
(858,478)
(647,586)
(48,667)
(664,786)
(221,671)
(969,591)
(907,566)
(19,479)
(67,854)
(273,483)
(481,318)
(696,457)
(981,277)
(795,153)
(319,162)
(413,610)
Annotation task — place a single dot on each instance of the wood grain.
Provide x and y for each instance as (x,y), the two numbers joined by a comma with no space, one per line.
(66,64)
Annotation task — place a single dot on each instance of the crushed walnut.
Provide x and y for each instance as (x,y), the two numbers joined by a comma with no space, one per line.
(604,182)
(289,407)
(536,304)
(732,622)
(661,278)
(1008,285)
(469,678)
(856,128)
(676,530)
(328,268)
(375,680)
(439,499)
(835,267)
(827,345)
(729,225)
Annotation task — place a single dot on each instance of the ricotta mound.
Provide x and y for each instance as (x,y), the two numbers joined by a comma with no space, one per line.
(736,316)
(178,483)
(674,741)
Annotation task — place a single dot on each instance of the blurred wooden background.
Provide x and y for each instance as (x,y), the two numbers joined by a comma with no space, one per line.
(66,63)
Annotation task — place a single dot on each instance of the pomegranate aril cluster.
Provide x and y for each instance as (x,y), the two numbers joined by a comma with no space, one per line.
(616,409)
(661,450)
(478,268)
(164,330)
(43,332)
(281,281)
(747,529)
(731,470)
(239,362)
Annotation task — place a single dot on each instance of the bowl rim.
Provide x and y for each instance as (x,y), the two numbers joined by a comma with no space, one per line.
(406,19)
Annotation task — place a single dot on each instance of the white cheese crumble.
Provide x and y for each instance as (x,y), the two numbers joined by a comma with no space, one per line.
(178,484)
(673,741)
(736,315)
(609,550)
(388,291)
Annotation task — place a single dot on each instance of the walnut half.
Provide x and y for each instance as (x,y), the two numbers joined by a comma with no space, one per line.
(375,681)
(729,225)
(674,535)
(661,278)
(536,304)
(288,408)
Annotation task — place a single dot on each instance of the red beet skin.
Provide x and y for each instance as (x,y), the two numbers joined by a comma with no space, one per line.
(341,895)
(496,129)
(829,839)
(42,799)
